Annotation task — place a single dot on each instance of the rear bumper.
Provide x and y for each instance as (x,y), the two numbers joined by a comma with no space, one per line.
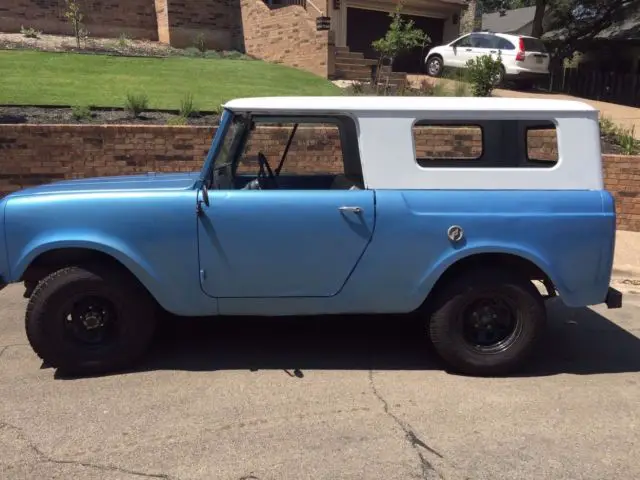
(526,75)
(613,298)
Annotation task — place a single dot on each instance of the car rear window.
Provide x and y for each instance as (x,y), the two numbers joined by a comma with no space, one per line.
(534,45)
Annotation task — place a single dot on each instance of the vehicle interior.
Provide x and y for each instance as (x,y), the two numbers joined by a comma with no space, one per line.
(250,160)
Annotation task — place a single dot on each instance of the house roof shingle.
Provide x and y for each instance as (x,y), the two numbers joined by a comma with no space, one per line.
(513,20)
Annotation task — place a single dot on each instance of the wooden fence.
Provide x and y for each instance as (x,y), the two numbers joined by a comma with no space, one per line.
(620,88)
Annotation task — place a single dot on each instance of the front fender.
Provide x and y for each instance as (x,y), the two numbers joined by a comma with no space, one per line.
(111,246)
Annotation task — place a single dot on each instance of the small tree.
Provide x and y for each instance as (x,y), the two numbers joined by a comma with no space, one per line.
(402,36)
(74,15)
(484,73)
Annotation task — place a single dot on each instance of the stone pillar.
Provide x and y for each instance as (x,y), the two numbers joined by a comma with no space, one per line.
(468,19)
(162,15)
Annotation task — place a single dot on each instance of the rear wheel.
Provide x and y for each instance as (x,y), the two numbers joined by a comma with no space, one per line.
(487,322)
(500,76)
(90,320)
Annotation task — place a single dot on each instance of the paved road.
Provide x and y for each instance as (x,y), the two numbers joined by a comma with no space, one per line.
(318,399)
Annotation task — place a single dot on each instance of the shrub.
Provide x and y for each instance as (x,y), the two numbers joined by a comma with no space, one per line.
(74,15)
(200,43)
(483,73)
(30,32)
(619,136)
(80,112)
(136,103)
(187,106)
(236,55)
(123,40)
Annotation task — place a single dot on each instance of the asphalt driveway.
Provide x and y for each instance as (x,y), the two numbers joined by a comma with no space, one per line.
(344,398)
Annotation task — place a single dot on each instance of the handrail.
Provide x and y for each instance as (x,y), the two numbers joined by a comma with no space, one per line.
(314,6)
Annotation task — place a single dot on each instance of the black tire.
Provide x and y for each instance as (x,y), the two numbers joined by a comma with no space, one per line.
(455,324)
(435,66)
(90,320)
(502,73)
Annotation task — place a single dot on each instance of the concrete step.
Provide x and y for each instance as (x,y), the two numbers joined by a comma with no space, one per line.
(358,61)
(349,67)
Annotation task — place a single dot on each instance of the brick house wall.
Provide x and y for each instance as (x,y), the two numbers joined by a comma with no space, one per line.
(103,18)
(286,35)
(36,154)
(219,23)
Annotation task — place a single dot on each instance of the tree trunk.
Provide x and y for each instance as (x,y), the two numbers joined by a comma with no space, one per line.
(538,18)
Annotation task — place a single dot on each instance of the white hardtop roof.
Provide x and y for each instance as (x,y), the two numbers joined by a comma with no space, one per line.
(403,104)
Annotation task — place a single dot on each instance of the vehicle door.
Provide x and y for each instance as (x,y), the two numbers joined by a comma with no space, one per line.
(506,49)
(460,52)
(302,239)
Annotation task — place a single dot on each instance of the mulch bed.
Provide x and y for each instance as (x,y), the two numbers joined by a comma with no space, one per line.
(112,116)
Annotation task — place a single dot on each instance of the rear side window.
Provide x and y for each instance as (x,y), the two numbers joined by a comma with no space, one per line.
(504,44)
(542,143)
(486,144)
(435,143)
(534,45)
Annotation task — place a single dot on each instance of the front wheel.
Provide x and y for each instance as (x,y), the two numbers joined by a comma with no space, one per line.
(435,66)
(90,320)
(487,322)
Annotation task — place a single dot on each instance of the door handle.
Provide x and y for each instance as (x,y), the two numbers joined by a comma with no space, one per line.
(351,209)
(469,49)
(494,51)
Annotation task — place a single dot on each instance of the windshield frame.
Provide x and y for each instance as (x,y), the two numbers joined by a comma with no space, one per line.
(226,122)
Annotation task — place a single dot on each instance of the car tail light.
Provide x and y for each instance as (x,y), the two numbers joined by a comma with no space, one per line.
(521,51)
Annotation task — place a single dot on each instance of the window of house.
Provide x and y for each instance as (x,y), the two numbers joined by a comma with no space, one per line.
(485,144)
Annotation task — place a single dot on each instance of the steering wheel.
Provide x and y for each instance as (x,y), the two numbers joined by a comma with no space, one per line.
(264,164)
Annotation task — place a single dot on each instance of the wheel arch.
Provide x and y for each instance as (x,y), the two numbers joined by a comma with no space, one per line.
(530,267)
(46,259)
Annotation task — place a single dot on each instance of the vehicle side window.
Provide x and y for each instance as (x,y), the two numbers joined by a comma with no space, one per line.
(326,148)
(463,42)
(485,144)
(479,40)
(503,44)
(542,143)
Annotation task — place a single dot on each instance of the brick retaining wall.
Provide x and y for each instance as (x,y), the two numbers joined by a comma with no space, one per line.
(35,154)
(103,18)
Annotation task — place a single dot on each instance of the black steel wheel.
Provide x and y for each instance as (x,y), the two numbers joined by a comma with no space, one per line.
(487,322)
(90,320)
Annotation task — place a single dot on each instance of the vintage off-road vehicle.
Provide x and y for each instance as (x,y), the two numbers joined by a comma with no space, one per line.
(438,206)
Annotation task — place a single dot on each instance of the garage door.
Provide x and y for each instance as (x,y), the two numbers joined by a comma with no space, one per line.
(366,26)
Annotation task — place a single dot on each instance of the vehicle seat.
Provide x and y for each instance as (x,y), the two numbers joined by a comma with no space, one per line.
(344,182)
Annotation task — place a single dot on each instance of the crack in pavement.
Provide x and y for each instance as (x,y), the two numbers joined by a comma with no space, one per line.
(7,347)
(416,442)
(44,458)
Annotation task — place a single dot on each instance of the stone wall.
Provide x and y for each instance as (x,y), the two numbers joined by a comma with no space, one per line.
(286,35)
(35,154)
(103,18)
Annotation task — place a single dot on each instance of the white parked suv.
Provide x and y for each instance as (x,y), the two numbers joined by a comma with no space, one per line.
(524,58)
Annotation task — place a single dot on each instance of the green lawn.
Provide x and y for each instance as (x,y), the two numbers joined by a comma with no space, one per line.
(39,78)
